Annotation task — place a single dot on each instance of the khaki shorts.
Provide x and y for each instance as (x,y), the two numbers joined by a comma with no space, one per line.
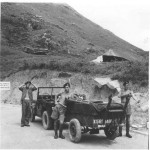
(58,113)
(128,109)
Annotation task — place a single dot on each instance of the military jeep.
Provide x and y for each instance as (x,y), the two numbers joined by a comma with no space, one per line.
(83,116)
(89,117)
(42,107)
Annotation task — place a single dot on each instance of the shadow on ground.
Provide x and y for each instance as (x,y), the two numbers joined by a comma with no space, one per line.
(87,139)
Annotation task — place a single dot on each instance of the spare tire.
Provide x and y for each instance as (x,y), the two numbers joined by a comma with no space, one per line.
(47,121)
(75,131)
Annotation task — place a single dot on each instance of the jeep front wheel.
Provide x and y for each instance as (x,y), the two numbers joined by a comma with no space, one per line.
(46,121)
(75,131)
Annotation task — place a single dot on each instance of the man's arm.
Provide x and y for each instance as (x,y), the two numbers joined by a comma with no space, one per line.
(133,96)
(129,93)
(33,87)
(58,97)
(125,94)
(21,87)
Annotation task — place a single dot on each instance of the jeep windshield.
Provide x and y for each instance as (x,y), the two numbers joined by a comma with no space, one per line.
(50,90)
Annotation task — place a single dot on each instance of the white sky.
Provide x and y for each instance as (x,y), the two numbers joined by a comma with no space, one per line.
(128,19)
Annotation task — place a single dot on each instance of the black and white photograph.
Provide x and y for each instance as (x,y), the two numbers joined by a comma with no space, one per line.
(74,74)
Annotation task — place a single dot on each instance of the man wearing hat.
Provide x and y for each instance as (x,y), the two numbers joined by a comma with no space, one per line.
(26,99)
(126,94)
(60,109)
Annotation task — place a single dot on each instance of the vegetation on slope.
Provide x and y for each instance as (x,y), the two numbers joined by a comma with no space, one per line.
(67,30)
(136,72)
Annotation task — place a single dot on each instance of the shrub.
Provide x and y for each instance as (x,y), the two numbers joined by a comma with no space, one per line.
(53,65)
(25,66)
(42,66)
(137,72)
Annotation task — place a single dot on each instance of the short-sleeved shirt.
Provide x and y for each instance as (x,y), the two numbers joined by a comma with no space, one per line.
(27,95)
(124,99)
(26,91)
(63,97)
(60,108)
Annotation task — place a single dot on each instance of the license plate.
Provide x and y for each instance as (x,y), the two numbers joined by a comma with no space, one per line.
(101,121)
(98,121)
(108,121)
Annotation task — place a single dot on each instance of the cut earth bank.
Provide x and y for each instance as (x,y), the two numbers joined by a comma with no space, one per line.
(80,84)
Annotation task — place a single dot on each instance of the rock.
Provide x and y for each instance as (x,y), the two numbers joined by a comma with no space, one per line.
(145,108)
(137,126)
(134,126)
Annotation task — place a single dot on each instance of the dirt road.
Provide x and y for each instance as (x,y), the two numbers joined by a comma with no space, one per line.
(35,137)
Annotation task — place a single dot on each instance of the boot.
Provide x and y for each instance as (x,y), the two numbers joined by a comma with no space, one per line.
(120,131)
(55,129)
(27,125)
(60,131)
(127,131)
(22,125)
(128,135)
(56,135)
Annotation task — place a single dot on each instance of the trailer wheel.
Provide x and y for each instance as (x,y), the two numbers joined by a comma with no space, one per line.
(32,117)
(75,130)
(46,121)
(111,132)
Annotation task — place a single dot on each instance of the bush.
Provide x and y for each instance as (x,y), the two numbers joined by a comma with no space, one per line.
(53,65)
(25,66)
(136,72)
(86,71)
(42,66)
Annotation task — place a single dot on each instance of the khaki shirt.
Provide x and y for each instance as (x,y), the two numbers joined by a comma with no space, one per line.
(26,91)
(62,99)
(124,96)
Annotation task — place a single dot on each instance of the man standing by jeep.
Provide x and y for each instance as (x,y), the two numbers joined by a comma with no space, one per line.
(26,99)
(126,95)
(60,109)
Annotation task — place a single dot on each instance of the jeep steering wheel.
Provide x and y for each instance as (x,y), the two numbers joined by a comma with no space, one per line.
(44,94)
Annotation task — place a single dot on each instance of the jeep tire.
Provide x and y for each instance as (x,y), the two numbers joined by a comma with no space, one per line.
(75,131)
(46,121)
(111,133)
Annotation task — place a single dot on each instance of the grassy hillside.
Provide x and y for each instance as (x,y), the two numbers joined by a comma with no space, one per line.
(62,23)
(74,41)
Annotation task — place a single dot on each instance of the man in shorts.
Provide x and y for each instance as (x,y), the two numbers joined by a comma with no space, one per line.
(126,95)
(59,110)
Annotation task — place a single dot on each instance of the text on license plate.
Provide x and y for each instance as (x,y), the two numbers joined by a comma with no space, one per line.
(100,121)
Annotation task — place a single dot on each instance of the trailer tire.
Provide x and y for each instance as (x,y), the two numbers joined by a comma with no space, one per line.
(75,131)
(47,121)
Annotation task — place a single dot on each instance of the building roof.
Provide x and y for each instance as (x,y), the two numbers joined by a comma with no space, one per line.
(120,54)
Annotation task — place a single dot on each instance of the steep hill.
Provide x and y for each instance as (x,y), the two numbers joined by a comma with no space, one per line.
(72,41)
(71,36)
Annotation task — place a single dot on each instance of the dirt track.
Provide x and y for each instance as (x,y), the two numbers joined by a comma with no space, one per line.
(35,137)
